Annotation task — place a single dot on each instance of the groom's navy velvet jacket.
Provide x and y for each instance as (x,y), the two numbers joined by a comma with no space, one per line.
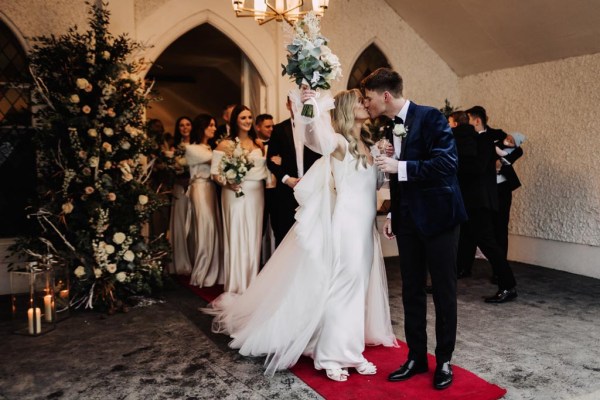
(431,195)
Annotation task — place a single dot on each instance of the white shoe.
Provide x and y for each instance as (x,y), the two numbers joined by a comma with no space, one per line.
(337,374)
(366,368)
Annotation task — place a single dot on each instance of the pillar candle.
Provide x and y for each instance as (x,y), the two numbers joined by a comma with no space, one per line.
(48,307)
(38,320)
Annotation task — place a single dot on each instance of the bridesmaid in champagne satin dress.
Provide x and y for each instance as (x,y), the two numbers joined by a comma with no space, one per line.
(242,216)
(205,226)
(179,229)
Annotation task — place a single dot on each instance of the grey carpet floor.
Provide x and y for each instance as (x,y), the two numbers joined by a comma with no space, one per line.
(544,345)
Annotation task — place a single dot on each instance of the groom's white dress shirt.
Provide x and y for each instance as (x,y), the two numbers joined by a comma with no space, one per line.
(402,175)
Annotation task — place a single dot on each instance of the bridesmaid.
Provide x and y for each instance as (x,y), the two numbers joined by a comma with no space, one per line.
(205,230)
(179,207)
(242,216)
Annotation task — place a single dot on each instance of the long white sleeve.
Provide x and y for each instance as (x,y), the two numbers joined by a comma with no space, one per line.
(315,133)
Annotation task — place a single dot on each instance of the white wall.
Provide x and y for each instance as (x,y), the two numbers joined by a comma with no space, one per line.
(555,218)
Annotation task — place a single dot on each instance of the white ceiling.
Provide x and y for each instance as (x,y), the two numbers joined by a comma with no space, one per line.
(474,36)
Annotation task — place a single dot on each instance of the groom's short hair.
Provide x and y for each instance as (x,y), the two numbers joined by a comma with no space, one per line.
(382,80)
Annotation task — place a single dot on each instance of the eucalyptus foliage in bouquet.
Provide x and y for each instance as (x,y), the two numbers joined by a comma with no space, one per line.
(93,161)
(235,166)
(310,60)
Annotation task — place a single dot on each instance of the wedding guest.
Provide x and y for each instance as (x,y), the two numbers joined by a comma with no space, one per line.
(289,160)
(223,131)
(481,216)
(323,293)
(205,230)
(263,125)
(242,215)
(510,151)
(427,209)
(179,229)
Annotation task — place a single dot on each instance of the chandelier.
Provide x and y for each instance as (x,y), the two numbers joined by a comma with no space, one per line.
(279,10)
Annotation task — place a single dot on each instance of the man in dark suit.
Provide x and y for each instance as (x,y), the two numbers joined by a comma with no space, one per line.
(426,211)
(288,166)
(222,130)
(482,210)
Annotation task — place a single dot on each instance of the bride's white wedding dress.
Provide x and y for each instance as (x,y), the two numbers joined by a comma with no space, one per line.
(323,293)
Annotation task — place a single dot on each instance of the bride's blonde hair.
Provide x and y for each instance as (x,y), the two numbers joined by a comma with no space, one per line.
(342,118)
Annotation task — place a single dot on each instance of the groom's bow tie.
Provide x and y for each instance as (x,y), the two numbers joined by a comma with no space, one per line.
(398,120)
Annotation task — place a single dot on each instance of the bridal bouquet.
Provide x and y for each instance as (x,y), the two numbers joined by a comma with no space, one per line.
(235,166)
(310,60)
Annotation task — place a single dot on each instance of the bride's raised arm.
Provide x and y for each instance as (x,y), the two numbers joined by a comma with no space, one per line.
(317,132)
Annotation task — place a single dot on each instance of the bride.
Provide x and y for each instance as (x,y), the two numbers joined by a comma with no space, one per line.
(323,293)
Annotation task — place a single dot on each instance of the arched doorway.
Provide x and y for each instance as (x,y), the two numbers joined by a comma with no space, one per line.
(369,60)
(201,72)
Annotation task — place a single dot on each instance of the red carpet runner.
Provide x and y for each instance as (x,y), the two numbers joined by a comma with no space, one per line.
(466,385)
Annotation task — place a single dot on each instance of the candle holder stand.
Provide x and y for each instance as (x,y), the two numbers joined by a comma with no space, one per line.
(33,301)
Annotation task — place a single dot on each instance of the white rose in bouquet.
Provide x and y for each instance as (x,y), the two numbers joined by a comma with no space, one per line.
(74,99)
(230,175)
(111,268)
(109,249)
(97,272)
(121,276)
(143,199)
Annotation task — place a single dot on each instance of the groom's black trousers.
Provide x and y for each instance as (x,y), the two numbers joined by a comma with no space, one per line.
(419,253)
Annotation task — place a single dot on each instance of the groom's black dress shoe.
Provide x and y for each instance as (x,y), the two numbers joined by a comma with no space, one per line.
(502,296)
(442,378)
(410,368)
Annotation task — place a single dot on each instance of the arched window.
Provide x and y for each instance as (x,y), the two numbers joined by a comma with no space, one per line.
(17,160)
(370,59)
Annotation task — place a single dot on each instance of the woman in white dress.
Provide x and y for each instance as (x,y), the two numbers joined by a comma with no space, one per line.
(323,293)
(242,215)
(179,228)
(205,229)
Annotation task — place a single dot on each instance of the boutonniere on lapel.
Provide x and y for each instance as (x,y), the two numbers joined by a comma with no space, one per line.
(400,130)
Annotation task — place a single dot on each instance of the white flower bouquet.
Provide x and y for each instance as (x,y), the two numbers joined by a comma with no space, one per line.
(310,60)
(235,166)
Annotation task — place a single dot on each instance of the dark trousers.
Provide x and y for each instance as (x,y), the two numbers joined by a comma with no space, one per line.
(270,202)
(418,254)
(478,231)
(284,211)
(502,217)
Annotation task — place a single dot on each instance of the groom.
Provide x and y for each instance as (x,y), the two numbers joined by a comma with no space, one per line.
(426,211)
